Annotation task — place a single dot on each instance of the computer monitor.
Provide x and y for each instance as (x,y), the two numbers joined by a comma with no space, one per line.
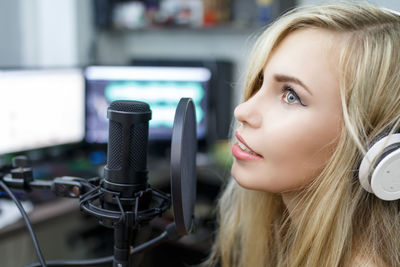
(40,108)
(160,87)
(220,98)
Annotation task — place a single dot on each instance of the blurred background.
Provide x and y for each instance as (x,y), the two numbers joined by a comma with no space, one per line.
(61,64)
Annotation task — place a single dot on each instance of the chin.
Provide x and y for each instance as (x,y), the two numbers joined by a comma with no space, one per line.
(255,182)
(240,177)
(245,180)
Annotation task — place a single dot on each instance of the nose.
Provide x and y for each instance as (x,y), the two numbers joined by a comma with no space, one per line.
(248,113)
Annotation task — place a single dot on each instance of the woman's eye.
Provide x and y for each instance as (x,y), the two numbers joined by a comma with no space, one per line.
(290,96)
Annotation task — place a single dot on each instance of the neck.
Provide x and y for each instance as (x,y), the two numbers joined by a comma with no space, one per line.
(291,200)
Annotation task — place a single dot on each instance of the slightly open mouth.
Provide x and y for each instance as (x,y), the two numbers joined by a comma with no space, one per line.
(245,148)
(242,145)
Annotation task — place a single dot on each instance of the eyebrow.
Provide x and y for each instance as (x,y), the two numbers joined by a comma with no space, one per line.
(285,78)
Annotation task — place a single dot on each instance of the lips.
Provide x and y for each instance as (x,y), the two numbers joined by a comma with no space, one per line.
(242,151)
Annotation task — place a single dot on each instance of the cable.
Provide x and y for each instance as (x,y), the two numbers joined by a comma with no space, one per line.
(82,263)
(96,262)
(27,222)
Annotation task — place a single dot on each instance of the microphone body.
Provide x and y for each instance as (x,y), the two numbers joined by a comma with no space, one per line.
(126,169)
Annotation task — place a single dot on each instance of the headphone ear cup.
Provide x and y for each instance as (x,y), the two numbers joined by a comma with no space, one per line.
(379,171)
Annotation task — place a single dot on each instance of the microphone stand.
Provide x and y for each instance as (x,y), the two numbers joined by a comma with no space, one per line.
(95,200)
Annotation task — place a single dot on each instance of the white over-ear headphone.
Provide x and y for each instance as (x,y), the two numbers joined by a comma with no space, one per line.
(379,172)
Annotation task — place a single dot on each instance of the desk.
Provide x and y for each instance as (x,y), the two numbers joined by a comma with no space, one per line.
(41,213)
(54,222)
(9,212)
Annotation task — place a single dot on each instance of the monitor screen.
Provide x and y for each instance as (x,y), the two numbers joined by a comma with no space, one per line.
(40,108)
(160,87)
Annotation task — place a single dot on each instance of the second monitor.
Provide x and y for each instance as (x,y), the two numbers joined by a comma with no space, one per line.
(160,87)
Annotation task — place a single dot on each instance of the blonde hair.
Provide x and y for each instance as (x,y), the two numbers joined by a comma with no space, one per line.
(338,220)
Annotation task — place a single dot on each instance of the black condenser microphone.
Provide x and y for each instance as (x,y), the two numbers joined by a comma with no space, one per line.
(125,175)
(126,169)
(124,200)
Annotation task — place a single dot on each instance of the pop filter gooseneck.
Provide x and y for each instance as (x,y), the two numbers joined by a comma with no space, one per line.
(183,166)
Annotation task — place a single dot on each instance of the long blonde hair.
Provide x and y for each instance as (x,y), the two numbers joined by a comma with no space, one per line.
(337,218)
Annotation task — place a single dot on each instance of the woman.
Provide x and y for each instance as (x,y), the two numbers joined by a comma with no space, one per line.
(323,83)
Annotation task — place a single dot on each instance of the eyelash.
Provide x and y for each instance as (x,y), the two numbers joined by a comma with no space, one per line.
(287,89)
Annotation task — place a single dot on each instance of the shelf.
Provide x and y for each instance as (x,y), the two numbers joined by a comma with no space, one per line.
(220,29)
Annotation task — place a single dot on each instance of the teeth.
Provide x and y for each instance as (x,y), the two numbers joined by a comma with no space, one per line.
(245,148)
(241,145)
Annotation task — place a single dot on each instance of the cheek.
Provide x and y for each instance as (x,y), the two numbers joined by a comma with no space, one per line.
(296,152)
(301,139)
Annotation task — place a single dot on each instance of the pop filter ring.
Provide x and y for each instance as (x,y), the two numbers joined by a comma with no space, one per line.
(183,165)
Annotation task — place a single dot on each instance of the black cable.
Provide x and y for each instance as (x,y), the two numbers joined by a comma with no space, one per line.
(27,222)
(82,263)
(97,262)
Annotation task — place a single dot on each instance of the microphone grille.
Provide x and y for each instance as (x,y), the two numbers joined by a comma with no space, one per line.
(114,159)
(135,142)
(138,141)
(129,106)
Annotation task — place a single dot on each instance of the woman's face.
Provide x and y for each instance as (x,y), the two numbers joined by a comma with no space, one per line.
(289,127)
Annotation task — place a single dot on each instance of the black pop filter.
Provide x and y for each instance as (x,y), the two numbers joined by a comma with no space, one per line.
(183,165)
